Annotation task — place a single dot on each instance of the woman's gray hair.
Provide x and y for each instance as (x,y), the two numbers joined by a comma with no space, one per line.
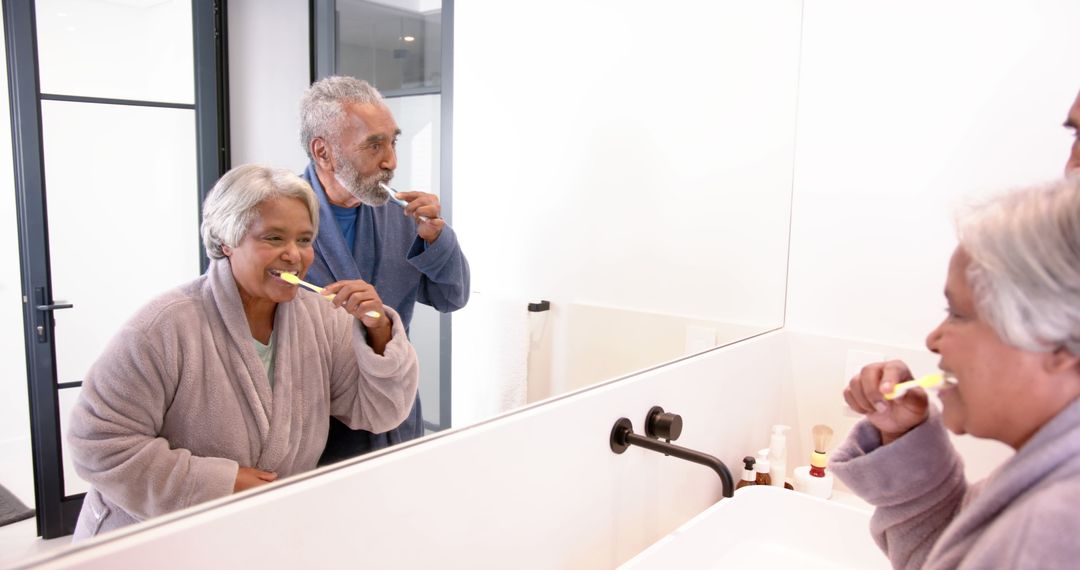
(322,107)
(1025,264)
(233,203)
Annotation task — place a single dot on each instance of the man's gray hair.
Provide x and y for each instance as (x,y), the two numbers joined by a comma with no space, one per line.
(233,204)
(322,107)
(1025,264)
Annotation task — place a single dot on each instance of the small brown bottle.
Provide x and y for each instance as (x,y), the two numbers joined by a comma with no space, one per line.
(747,473)
(762,468)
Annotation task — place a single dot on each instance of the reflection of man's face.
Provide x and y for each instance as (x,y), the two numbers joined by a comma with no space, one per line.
(364,188)
(365,152)
(1073,122)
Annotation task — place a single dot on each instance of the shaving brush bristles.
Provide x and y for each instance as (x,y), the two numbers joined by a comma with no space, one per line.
(822,437)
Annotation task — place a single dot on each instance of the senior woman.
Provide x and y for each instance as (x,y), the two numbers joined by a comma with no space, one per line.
(1011,341)
(229,381)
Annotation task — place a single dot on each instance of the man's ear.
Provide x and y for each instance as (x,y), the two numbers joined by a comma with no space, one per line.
(320,153)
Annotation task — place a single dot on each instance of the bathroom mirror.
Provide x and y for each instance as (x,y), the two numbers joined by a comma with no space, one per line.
(630,165)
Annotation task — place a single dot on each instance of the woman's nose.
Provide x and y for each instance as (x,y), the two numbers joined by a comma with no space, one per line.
(291,252)
(934,338)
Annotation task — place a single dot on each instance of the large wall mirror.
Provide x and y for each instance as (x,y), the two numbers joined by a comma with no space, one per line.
(628,163)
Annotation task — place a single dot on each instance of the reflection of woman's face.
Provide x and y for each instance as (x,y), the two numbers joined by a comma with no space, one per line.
(280,239)
(991,396)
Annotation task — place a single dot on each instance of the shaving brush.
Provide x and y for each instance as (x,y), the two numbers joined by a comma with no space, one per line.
(822,437)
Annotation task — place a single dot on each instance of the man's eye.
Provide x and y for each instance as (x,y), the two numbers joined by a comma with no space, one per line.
(376,147)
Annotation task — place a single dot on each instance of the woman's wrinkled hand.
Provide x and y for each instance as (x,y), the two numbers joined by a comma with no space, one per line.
(248,477)
(360,300)
(866,391)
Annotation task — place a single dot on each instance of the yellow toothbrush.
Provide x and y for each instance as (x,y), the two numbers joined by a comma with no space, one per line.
(292,278)
(929,381)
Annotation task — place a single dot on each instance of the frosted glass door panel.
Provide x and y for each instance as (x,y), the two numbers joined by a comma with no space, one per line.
(73,484)
(123,217)
(418,169)
(418,146)
(135,49)
(16,468)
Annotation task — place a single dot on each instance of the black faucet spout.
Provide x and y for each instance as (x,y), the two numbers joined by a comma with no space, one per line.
(623,436)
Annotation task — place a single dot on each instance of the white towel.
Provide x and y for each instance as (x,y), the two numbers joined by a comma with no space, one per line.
(491,357)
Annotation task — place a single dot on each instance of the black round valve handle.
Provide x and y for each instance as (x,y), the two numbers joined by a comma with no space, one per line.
(619,439)
(662,425)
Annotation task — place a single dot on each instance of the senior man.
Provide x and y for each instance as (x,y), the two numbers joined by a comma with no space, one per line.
(408,253)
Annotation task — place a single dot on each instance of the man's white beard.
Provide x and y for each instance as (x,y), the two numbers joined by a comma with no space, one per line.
(364,188)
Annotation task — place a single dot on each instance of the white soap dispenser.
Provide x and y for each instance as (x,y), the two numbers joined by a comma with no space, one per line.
(778,456)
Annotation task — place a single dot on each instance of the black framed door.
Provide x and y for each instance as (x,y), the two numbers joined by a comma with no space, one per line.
(206,116)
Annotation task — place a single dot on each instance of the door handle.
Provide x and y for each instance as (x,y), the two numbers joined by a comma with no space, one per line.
(55,306)
(45,319)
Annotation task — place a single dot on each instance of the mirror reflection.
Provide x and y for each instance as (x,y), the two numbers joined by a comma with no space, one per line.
(169,419)
(634,193)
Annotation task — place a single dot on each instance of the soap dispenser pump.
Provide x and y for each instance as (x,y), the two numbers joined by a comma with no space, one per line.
(778,457)
(747,474)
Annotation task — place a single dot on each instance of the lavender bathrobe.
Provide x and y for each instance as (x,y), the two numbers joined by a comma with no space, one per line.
(179,400)
(1025,515)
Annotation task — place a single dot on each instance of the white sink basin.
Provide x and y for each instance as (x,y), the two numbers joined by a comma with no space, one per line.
(768,527)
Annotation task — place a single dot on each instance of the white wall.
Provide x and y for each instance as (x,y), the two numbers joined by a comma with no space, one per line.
(905,110)
(640,159)
(616,154)
(269,70)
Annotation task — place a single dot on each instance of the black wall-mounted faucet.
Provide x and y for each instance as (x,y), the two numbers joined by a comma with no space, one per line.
(668,426)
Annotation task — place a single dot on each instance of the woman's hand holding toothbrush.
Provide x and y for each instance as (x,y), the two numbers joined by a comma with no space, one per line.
(360,300)
(866,391)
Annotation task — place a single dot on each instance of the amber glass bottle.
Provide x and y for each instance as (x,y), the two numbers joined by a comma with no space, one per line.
(747,473)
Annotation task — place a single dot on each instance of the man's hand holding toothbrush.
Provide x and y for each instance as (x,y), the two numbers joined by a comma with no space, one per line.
(422,207)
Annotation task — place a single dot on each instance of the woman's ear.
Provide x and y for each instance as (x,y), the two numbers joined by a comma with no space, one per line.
(226,250)
(1061,360)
